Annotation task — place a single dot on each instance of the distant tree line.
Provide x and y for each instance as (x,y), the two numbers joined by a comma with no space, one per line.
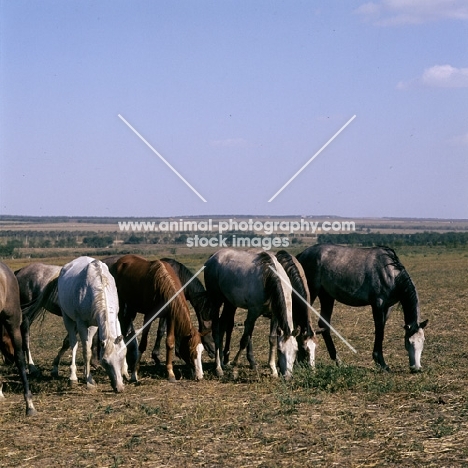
(447,239)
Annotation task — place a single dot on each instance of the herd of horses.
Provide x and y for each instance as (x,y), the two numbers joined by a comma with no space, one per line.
(99,301)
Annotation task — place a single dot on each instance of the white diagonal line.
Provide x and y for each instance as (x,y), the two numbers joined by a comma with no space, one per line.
(312,158)
(288,283)
(160,157)
(140,330)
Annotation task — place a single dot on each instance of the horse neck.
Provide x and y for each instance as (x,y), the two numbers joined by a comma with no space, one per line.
(101,306)
(277,291)
(407,295)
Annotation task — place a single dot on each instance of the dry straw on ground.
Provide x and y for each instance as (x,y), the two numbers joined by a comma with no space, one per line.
(349,416)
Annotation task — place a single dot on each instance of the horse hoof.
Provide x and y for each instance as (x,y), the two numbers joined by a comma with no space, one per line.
(235,374)
(31,412)
(172,380)
(415,371)
(73,383)
(219,372)
(90,386)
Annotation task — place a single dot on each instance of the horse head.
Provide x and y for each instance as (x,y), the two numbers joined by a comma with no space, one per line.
(113,361)
(190,350)
(287,352)
(307,344)
(414,343)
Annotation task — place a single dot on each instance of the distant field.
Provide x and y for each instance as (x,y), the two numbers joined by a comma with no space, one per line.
(354,415)
(403,225)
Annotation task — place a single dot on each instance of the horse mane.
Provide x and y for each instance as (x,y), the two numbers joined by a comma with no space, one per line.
(273,290)
(47,300)
(408,297)
(295,273)
(165,287)
(195,291)
(100,298)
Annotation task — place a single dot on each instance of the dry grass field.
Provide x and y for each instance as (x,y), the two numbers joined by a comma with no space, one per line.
(349,416)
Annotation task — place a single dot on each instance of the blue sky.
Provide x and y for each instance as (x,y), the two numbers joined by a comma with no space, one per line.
(237,96)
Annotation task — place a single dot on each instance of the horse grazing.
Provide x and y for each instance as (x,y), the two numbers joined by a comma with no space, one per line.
(301,311)
(10,319)
(87,296)
(246,279)
(196,294)
(359,277)
(32,280)
(146,287)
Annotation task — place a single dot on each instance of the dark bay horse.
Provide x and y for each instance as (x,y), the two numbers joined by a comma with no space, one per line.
(237,278)
(359,277)
(10,319)
(146,287)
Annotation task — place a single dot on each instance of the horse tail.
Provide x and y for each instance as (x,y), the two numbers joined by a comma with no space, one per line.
(273,290)
(47,300)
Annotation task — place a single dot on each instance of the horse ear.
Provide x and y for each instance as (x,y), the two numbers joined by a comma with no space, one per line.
(297,331)
(319,331)
(118,339)
(407,327)
(423,324)
(279,331)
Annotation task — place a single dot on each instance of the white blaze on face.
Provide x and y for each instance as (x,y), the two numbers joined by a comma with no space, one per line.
(287,351)
(414,345)
(198,363)
(310,344)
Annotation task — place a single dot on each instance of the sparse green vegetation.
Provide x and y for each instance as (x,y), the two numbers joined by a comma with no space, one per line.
(352,415)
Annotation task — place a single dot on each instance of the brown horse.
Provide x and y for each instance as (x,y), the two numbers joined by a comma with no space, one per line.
(150,287)
(10,319)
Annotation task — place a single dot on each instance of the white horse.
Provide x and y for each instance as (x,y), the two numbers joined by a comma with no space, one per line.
(88,298)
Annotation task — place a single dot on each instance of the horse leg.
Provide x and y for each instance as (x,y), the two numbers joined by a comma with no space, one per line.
(155,354)
(226,327)
(273,339)
(246,337)
(62,351)
(170,345)
(71,329)
(86,335)
(14,331)
(144,341)
(33,370)
(217,339)
(326,309)
(380,317)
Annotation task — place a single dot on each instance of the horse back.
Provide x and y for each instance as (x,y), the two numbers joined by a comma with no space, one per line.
(351,275)
(33,278)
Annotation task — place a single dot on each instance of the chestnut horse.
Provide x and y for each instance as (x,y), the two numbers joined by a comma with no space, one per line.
(153,288)
(10,319)
(196,294)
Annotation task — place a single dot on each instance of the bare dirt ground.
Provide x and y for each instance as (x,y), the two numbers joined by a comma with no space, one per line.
(354,415)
